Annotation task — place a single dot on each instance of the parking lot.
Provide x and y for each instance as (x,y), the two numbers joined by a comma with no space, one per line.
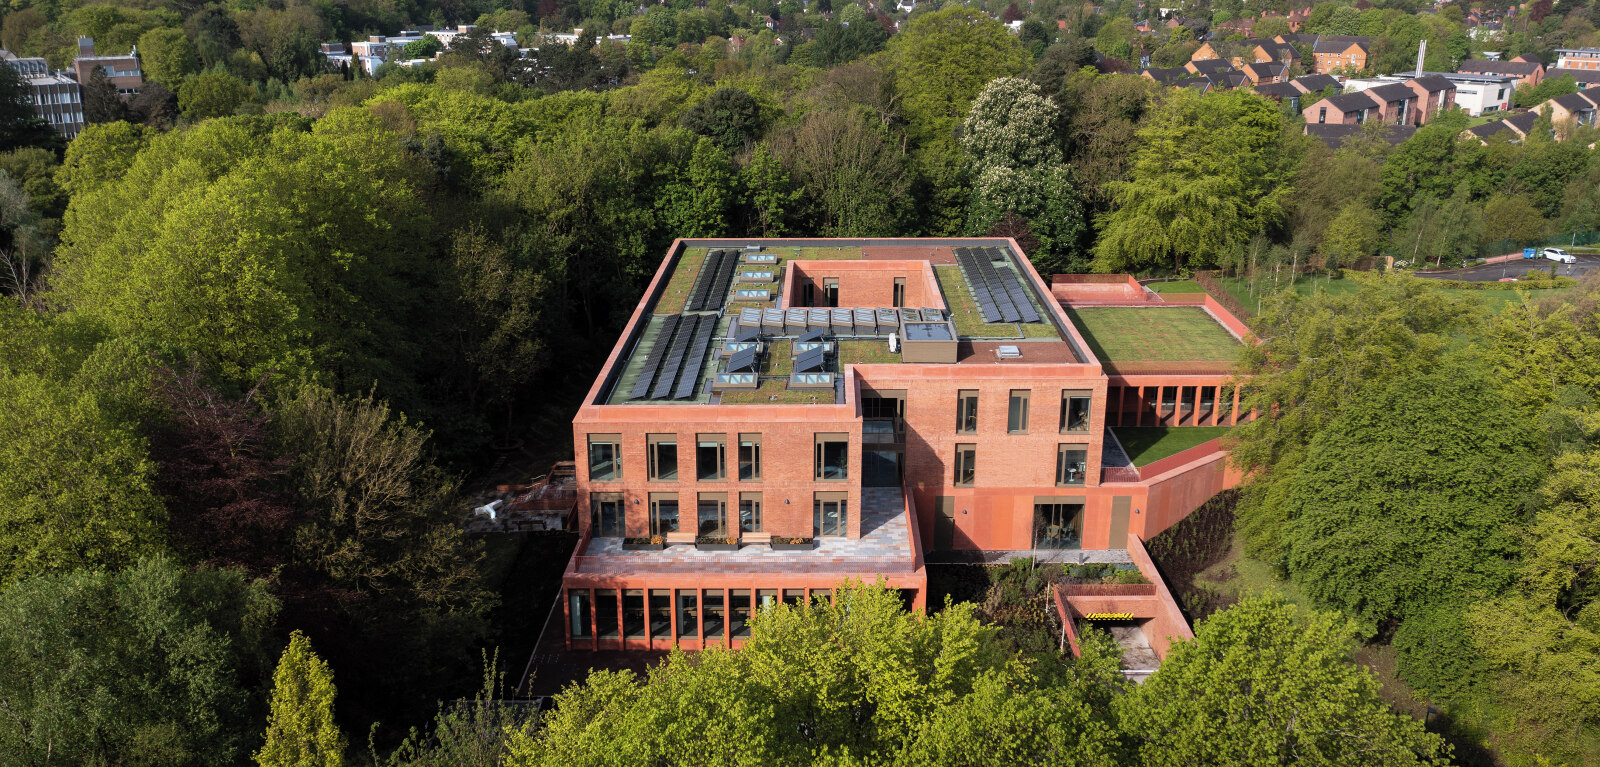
(1517,268)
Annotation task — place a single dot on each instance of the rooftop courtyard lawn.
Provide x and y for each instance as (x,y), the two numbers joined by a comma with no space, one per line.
(1493,301)
(1154,334)
(676,293)
(1148,444)
(1178,286)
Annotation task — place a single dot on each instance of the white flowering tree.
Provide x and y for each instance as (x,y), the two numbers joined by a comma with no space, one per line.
(1022,186)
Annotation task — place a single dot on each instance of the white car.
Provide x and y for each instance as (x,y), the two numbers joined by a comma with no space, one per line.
(1560,256)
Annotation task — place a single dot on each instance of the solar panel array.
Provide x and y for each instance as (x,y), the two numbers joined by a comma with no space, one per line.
(998,292)
(809,361)
(711,286)
(678,356)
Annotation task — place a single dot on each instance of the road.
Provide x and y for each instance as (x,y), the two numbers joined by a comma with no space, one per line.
(1517,268)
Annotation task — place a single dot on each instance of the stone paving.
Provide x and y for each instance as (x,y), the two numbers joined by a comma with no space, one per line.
(884,546)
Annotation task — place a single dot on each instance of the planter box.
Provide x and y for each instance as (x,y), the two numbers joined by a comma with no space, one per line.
(643,546)
(807,546)
(717,546)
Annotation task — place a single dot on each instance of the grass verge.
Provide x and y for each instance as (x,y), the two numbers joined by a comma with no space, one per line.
(1147,444)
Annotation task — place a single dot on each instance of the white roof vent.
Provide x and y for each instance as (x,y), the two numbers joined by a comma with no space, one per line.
(1009,352)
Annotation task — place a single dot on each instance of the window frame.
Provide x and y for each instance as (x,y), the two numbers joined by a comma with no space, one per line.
(1061,464)
(966,459)
(1067,398)
(656,499)
(754,499)
(841,524)
(753,442)
(653,443)
(819,466)
(717,443)
(596,528)
(718,501)
(967,411)
(1014,423)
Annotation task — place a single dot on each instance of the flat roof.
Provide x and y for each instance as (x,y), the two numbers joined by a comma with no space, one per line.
(710,292)
(1155,334)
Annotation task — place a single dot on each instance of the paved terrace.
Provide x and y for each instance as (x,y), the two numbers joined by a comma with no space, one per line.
(884,547)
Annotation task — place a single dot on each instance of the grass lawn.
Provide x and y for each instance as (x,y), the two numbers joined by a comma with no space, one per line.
(776,362)
(1148,444)
(1161,334)
(1493,301)
(865,353)
(1181,286)
(677,292)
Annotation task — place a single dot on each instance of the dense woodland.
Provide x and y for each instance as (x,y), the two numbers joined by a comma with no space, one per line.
(264,321)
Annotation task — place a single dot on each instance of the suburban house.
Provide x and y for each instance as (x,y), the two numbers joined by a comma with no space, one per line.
(1527,70)
(1583,76)
(1577,108)
(1343,53)
(1239,53)
(1516,127)
(783,414)
(1265,73)
(1336,135)
(54,97)
(123,71)
(1343,109)
(1314,83)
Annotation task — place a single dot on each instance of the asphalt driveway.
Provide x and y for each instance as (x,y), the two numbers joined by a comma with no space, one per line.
(1516,268)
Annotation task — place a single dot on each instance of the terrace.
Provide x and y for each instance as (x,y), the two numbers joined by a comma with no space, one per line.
(1156,333)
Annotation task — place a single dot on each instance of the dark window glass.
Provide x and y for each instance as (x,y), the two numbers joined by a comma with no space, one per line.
(609,517)
(660,614)
(830,517)
(708,460)
(750,457)
(1074,413)
(605,461)
(715,616)
(1058,526)
(578,612)
(713,517)
(966,464)
(1017,412)
(663,460)
(688,614)
(833,459)
(739,613)
(663,515)
(633,614)
(750,513)
(605,613)
(967,412)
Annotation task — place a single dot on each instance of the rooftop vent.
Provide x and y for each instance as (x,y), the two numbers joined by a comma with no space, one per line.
(1007,351)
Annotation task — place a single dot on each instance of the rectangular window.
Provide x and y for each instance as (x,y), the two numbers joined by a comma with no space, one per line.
(833,456)
(633,625)
(660,614)
(830,290)
(663,452)
(713,515)
(966,464)
(794,597)
(739,613)
(1322,115)
(749,512)
(1072,461)
(605,457)
(578,612)
(1058,525)
(1224,403)
(766,598)
(899,292)
(715,615)
(709,456)
(663,513)
(605,613)
(749,457)
(1169,398)
(885,404)
(1075,410)
(966,411)
(1017,413)
(688,613)
(830,515)
(608,515)
(822,595)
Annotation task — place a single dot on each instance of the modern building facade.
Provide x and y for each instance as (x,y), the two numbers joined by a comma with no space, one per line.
(56,98)
(122,70)
(783,414)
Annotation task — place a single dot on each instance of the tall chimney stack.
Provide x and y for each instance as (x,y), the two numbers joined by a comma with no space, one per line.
(1422,50)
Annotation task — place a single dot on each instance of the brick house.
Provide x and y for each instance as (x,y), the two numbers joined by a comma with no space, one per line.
(1343,109)
(123,71)
(1574,107)
(1341,53)
(1266,73)
(1434,95)
(782,414)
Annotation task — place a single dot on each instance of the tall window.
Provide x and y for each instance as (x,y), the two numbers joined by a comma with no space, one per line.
(688,613)
(1075,410)
(716,613)
(749,512)
(749,457)
(661,613)
(739,615)
(833,456)
(1017,412)
(830,515)
(966,411)
(633,624)
(663,513)
(966,460)
(1072,461)
(713,515)
(578,612)
(608,517)
(1057,525)
(662,450)
(899,292)
(709,457)
(830,290)
(605,613)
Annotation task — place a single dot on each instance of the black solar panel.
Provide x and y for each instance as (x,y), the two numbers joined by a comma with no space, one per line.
(675,356)
(696,358)
(652,362)
(704,281)
(1019,297)
(724,280)
(747,333)
(814,334)
(742,360)
(808,361)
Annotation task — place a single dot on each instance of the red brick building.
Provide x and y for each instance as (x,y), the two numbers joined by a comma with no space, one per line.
(783,414)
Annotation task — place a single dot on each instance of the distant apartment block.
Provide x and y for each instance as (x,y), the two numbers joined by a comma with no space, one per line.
(122,70)
(1527,70)
(56,98)
(782,414)
(1587,59)
(377,50)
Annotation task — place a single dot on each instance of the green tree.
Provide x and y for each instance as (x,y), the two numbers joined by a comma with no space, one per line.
(422,49)
(301,731)
(101,153)
(1411,496)
(856,679)
(75,473)
(154,664)
(729,116)
(19,126)
(1442,230)
(1265,682)
(1316,353)
(1351,236)
(1209,174)
(214,94)
(1512,217)
(1433,162)
(769,194)
(1539,350)
(853,184)
(166,57)
(697,203)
